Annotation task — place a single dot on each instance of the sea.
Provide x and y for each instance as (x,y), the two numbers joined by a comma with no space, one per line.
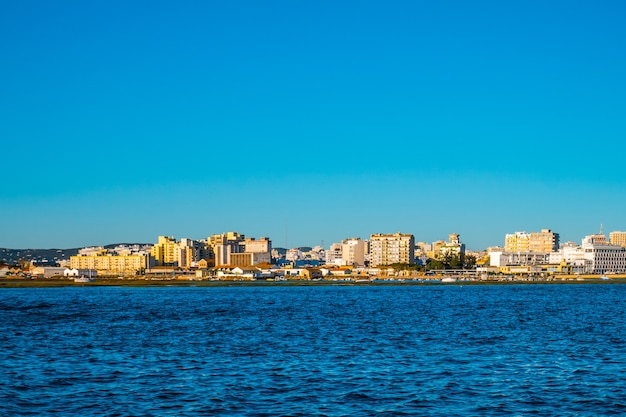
(319,350)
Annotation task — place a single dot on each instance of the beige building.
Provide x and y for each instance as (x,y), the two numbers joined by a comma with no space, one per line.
(544,241)
(387,249)
(107,263)
(618,238)
(223,245)
(255,252)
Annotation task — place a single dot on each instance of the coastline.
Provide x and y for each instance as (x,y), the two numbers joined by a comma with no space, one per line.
(132,282)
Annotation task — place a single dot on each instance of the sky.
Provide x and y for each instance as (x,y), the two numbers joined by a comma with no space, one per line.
(310,122)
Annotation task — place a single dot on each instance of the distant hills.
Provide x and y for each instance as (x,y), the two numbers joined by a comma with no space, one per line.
(51,256)
(44,256)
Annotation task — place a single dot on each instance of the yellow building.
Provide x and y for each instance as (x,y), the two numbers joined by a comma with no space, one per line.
(544,241)
(618,238)
(111,264)
(169,252)
(517,242)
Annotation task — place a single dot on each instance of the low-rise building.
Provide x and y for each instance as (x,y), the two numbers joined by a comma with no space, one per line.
(109,262)
(47,271)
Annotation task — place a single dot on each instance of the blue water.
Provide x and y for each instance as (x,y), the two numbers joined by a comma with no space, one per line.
(543,350)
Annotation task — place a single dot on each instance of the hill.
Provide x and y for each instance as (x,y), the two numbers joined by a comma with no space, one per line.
(44,256)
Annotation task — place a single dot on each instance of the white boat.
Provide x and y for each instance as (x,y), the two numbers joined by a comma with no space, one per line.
(448,279)
(83,279)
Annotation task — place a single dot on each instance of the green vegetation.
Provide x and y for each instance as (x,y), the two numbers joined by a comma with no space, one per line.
(452,261)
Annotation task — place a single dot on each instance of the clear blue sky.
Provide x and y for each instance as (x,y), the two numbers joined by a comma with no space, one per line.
(310,121)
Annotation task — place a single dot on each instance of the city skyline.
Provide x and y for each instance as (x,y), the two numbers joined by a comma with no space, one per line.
(310,122)
(618,235)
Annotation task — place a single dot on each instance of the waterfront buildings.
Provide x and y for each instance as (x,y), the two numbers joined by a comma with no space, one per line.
(387,249)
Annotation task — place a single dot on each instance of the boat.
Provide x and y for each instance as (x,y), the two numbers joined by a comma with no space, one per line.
(83,279)
(448,279)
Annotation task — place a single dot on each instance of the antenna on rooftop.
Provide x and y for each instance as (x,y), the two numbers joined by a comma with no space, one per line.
(601,229)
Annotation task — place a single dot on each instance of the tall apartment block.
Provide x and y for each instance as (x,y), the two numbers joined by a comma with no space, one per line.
(387,249)
(170,252)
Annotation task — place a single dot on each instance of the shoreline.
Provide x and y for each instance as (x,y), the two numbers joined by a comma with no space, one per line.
(126,282)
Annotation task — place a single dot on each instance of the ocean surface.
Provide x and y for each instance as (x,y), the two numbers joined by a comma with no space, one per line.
(272,350)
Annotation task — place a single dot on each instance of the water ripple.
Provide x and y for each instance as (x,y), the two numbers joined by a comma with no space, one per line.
(314,351)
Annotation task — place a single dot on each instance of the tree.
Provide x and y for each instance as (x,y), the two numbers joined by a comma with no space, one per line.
(435,264)
(470,262)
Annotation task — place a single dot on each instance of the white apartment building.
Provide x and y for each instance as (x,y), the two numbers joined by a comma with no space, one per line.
(354,251)
(334,255)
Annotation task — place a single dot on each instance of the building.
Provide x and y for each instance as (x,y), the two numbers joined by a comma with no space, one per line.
(164,252)
(545,241)
(47,271)
(387,249)
(603,258)
(169,252)
(618,238)
(223,245)
(453,247)
(516,242)
(255,252)
(109,262)
(334,255)
(354,251)
(234,249)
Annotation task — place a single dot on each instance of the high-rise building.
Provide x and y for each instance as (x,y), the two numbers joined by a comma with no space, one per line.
(164,252)
(387,249)
(169,252)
